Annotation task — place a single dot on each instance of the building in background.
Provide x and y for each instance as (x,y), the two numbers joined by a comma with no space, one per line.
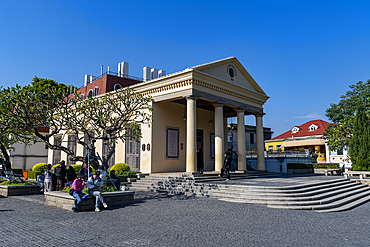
(308,137)
(24,156)
(250,136)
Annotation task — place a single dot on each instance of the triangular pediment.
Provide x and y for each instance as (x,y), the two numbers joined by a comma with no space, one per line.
(230,70)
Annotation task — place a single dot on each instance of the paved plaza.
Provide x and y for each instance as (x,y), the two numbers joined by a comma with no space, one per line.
(159,219)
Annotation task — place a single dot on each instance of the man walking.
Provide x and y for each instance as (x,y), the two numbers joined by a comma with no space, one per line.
(227,164)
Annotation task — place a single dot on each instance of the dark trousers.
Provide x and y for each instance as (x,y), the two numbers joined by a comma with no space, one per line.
(60,185)
(225,170)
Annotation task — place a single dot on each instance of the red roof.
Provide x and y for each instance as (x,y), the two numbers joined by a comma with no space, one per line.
(311,128)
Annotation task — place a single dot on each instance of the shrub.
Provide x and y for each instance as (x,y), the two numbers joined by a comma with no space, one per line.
(55,166)
(299,166)
(120,168)
(16,183)
(312,165)
(128,174)
(17,171)
(103,189)
(39,168)
(76,168)
(32,175)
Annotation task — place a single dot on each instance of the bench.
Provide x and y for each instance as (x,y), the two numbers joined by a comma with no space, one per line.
(331,171)
(362,174)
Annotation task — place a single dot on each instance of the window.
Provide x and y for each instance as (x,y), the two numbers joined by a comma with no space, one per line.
(270,148)
(313,127)
(295,130)
(57,153)
(82,96)
(251,138)
(278,148)
(172,143)
(117,86)
(96,91)
(72,144)
(91,93)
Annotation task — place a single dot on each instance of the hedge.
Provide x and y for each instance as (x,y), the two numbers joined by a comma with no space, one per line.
(128,174)
(312,165)
(39,167)
(120,168)
(17,171)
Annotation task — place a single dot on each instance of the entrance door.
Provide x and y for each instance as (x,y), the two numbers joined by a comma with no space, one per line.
(200,151)
(132,149)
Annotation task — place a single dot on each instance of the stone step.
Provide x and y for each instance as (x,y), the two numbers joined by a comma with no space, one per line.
(332,205)
(347,206)
(287,202)
(244,191)
(292,195)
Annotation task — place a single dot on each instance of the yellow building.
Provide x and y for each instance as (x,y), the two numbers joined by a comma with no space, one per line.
(190,112)
(308,136)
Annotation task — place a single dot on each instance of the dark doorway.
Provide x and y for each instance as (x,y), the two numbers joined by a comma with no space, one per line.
(200,151)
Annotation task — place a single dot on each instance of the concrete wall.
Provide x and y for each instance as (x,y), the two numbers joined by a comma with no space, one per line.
(25,157)
(279,165)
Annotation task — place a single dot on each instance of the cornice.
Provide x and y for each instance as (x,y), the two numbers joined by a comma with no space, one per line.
(190,82)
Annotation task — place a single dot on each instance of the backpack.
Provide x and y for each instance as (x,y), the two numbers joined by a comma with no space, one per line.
(58,171)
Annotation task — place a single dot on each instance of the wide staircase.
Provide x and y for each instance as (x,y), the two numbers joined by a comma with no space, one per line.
(326,196)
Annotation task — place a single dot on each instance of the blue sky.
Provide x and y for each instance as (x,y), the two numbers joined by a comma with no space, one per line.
(303,54)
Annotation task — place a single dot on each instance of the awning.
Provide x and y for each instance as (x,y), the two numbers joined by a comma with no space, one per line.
(307,142)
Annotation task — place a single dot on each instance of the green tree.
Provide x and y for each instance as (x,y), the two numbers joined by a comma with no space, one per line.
(107,117)
(23,105)
(342,114)
(359,144)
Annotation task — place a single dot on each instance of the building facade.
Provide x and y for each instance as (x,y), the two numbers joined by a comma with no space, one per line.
(190,112)
(309,137)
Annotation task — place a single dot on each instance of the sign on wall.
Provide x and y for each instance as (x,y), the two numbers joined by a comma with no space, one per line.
(172,143)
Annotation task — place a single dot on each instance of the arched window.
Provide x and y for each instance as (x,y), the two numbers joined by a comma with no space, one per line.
(117,86)
(91,93)
(96,91)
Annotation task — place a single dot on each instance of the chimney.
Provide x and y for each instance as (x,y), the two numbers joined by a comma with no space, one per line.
(154,73)
(123,69)
(146,73)
(89,79)
(161,73)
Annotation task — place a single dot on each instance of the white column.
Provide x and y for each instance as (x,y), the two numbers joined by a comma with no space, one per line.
(242,163)
(225,134)
(260,146)
(191,132)
(219,136)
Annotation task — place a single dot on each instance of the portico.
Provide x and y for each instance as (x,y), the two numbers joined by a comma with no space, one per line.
(190,109)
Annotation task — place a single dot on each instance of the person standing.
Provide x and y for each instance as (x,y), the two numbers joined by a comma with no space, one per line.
(227,164)
(40,181)
(60,173)
(93,188)
(71,175)
(200,164)
(48,178)
(116,180)
(78,185)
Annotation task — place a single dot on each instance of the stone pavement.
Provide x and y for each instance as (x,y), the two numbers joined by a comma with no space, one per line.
(158,219)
